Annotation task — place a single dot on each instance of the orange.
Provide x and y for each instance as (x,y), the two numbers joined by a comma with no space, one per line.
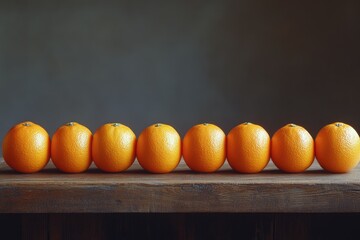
(71,148)
(113,147)
(248,148)
(204,148)
(337,147)
(292,149)
(26,147)
(158,148)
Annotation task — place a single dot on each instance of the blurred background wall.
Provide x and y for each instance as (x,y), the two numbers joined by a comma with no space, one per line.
(179,62)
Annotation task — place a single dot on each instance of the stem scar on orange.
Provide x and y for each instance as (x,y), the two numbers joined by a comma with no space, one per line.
(204,148)
(337,147)
(292,149)
(71,148)
(26,147)
(159,148)
(113,147)
(248,148)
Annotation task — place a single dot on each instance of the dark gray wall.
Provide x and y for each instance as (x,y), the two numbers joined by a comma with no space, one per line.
(179,62)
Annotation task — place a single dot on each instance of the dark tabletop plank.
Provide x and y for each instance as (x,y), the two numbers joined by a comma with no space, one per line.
(181,191)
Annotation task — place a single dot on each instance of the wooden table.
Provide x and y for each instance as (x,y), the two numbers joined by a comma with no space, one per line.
(262,203)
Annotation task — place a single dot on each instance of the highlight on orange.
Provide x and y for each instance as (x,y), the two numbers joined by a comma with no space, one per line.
(204,148)
(337,147)
(158,148)
(71,148)
(26,147)
(248,148)
(113,147)
(292,149)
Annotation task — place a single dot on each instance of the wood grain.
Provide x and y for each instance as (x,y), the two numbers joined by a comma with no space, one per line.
(182,191)
(180,226)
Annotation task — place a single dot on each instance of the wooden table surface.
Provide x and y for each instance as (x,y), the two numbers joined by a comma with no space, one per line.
(133,191)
